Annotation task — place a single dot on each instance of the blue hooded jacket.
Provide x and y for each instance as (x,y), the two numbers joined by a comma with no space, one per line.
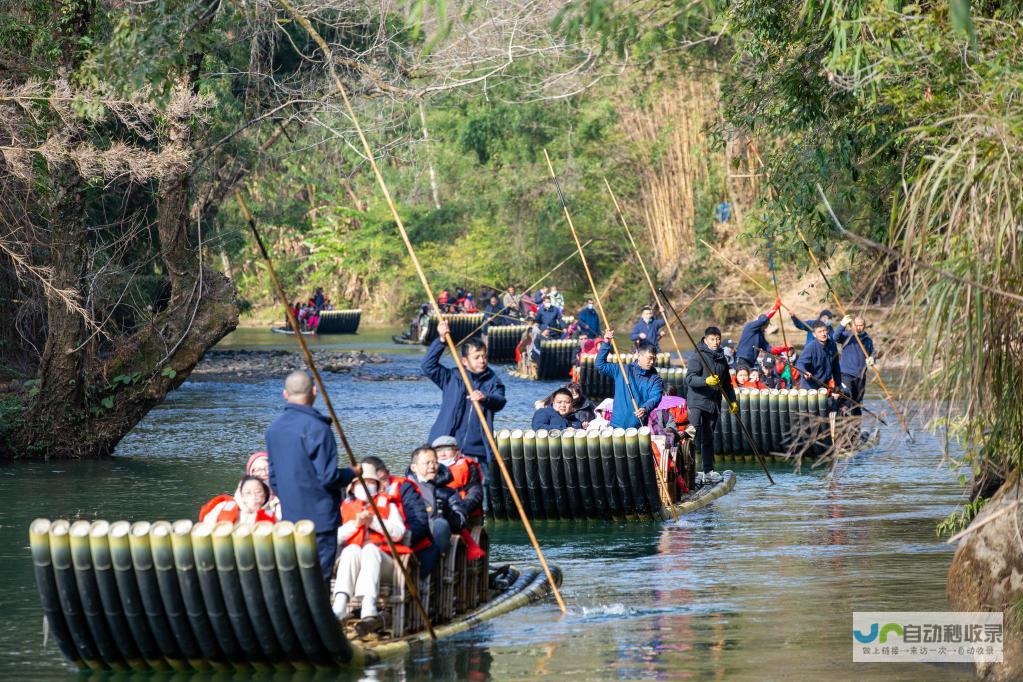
(805,325)
(548,418)
(821,362)
(457,417)
(652,329)
(647,387)
(550,317)
(753,339)
(589,322)
(853,362)
(303,467)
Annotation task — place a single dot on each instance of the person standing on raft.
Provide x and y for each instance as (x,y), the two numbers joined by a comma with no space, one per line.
(303,466)
(753,339)
(704,397)
(853,363)
(457,417)
(648,330)
(646,384)
(818,363)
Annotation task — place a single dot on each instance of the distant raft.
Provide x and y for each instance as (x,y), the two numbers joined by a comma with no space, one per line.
(461,326)
(159,596)
(596,474)
(339,321)
(556,359)
(599,386)
(502,341)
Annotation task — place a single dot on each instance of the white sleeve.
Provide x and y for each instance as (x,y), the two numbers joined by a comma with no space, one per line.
(395,526)
(346,531)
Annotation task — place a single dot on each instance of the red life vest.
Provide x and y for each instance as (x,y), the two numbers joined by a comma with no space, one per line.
(460,473)
(393,492)
(351,507)
(225,508)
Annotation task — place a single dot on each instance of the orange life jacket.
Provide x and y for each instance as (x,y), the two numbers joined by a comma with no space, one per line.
(460,474)
(351,507)
(225,508)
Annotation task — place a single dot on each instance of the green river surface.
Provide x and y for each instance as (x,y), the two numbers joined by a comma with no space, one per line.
(762,584)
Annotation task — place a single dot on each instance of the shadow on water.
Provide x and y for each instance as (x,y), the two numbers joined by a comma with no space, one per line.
(761,584)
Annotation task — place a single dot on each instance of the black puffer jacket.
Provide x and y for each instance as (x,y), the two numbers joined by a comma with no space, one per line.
(441,501)
(700,396)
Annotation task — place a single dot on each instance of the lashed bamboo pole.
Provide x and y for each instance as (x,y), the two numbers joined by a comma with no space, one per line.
(646,273)
(293,321)
(343,91)
(662,485)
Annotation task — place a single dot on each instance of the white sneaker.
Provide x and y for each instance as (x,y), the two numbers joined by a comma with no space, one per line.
(699,479)
(340,605)
(712,477)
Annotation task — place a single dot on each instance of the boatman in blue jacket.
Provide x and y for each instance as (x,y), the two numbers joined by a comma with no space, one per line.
(457,416)
(589,321)
(807,325)
(549,317)
(853,362)
(645,382)
(303,466)
(753,340)
(818,363)
(648,330)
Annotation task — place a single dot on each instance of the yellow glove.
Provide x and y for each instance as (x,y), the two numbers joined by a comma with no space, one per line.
(733,407)
(713,380)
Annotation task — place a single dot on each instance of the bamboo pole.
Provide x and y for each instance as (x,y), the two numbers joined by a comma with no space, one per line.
(742,272)
(293,321)
(855,335)
(646,273)
(662,485)
(328,54)
(774,279)
(706,367)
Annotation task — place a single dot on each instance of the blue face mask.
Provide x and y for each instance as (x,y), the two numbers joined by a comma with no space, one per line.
(589,306)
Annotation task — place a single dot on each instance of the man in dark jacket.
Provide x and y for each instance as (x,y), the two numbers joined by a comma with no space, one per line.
(644,382)
(807,325)
(589,321)
(648,330)
(303,466)
(549,317)
(493,315)
(707,380)
(753,340)
(818,363)
(443,504)
(457,417)
(853,362)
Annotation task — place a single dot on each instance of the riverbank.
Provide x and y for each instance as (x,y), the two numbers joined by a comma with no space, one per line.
(256,364)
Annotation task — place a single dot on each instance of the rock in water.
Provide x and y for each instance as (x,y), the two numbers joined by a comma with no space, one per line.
(987,575)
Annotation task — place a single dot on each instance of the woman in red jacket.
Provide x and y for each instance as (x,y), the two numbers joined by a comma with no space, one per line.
(245,506)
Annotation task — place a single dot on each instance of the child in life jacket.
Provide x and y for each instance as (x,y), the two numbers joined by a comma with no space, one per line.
(365,556)
(245,506)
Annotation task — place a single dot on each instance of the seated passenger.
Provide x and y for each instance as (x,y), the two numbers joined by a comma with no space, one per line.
(740,378)
(405,495)
(558,415)
(754,379)
(245,506)
(365,557)
(583,409)
(443,504)
(466,474)
(670,417)
(259,466)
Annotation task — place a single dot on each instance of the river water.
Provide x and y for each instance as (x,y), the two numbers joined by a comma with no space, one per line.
(760,585)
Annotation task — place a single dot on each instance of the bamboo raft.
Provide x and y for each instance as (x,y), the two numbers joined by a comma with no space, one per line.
(598,386)
(502,341)
(461,325)
(596,474)
(200,596)
(556,359)
(339,321)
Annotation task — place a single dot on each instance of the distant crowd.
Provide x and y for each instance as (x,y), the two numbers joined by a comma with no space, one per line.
(308,313)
